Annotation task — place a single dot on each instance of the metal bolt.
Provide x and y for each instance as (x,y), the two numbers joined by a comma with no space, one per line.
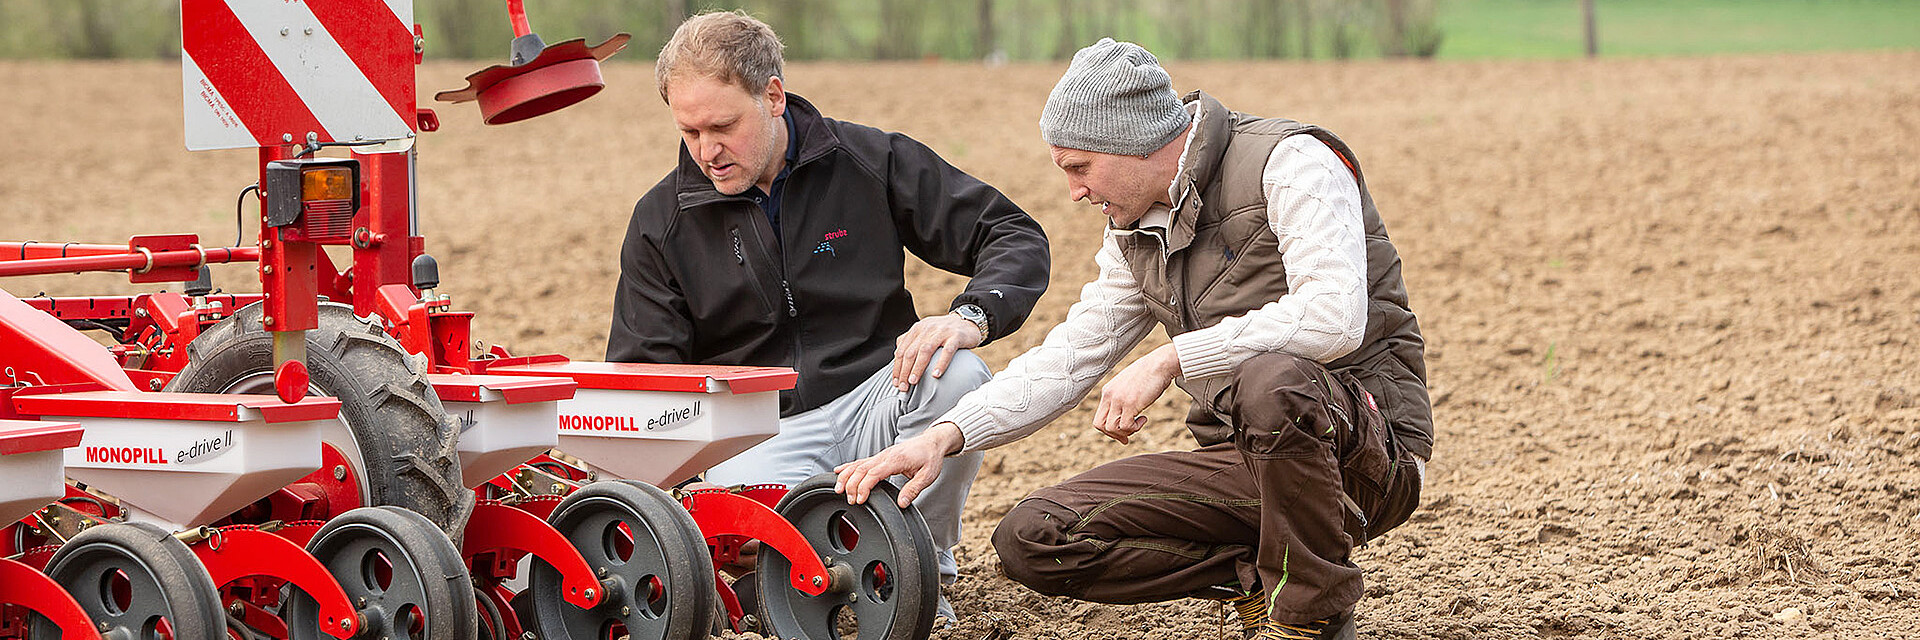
(103,627)
(359,604)
(154,384)
(589,594)
(267,269)
(603,572)
(626,611)
(266,244)
(816,581)
(528,635)
(557,487)
(266,320)
(286,137)
(309,30)
(236,607)
(339,472)
(285,31)
(346,625)
(141,312)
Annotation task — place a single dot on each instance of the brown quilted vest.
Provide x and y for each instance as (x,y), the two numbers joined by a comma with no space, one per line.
(1221,259)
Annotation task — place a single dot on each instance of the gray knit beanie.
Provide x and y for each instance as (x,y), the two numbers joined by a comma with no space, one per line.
(1115,99)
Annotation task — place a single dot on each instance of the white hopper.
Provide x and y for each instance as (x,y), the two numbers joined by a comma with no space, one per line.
(30,470)
(660,423)
(504,420)
(187,458)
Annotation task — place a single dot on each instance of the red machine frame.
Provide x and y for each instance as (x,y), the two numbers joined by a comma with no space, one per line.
(294,272)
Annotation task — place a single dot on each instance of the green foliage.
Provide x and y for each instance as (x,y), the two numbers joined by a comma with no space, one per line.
(1054,29)
(815,29)
(1552,28)
(89,28)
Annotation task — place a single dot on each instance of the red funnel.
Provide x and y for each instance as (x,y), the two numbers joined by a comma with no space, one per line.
(560,76)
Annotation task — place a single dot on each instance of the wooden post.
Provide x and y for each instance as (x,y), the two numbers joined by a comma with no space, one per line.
(1306,28)
(986,48)
(1593,38)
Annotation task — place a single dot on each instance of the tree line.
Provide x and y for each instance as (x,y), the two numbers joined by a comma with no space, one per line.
(995,30)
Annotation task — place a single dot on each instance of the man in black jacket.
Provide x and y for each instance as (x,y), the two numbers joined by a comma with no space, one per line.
(780,240)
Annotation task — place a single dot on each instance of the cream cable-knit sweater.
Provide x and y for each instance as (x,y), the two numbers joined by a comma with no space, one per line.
(1313,206)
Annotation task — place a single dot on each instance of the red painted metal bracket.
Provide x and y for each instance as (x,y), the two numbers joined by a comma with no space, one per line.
(22,585)
(244,552)
(288,270)
(496,527)
(451,330)
(724,514)
(165,324)
(406,317)
(150,245)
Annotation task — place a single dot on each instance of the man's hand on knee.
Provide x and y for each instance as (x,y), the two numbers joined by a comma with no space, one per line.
(918,458)
(929,346)
(1128,394)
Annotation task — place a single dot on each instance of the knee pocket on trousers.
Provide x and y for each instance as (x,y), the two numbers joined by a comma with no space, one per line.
(1030,541)
(1279,441)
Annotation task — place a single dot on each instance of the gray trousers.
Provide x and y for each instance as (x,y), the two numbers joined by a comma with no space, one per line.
(861,423)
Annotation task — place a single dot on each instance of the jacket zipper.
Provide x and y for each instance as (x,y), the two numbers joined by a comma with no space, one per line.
(740,257)
(793,309)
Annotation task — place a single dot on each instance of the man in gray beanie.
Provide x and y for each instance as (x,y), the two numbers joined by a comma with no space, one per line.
(1254,243)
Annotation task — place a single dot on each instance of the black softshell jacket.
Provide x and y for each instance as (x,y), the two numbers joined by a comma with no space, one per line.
(704,281)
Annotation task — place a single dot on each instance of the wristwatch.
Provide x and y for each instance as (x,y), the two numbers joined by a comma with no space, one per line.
(976,315)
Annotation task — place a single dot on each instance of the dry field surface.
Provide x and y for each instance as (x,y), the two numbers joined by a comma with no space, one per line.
(1672,307)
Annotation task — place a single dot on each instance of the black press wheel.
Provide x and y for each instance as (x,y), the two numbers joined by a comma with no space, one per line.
(136,582)
(886,582)
(656,576)
(402,575)
(398,435)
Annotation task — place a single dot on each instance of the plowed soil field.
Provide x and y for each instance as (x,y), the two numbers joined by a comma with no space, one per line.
(1671,305)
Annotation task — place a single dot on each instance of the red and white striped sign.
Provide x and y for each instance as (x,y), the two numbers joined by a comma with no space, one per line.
(267,72)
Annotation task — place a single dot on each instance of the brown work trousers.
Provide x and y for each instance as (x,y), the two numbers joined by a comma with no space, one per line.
(1310,471)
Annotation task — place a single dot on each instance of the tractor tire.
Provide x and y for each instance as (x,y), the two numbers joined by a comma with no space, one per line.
(397,432)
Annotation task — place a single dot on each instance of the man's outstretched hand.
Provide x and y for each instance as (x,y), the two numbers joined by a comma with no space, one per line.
(1129,394)
(928,347)
(918,458)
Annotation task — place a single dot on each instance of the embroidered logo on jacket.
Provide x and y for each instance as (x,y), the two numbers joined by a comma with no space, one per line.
(826,242)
